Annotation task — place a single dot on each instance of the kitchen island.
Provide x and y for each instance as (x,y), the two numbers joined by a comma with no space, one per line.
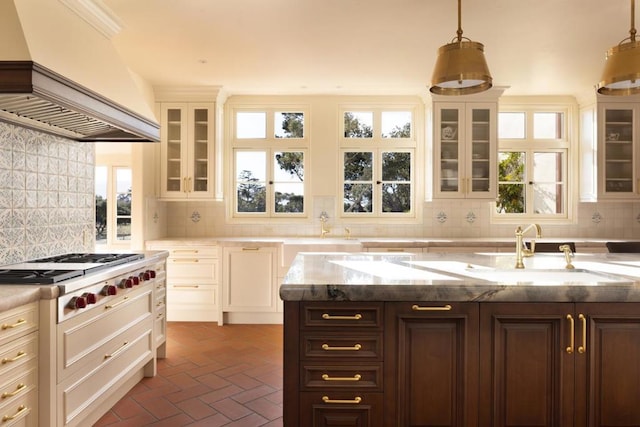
(461,340)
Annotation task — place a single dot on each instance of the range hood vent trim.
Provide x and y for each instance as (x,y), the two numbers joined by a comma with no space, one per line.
(34,96)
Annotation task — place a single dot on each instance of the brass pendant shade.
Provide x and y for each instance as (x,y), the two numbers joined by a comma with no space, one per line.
(461,68)
(621,75)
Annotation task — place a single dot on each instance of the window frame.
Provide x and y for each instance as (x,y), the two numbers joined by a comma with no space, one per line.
(112,207)
(270,145)
(566,143)
(378,145)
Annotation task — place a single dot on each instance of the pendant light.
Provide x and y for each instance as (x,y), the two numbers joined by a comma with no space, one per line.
(461,68)
(621,75)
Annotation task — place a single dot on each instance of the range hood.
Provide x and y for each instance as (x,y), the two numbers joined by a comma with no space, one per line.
(53,86)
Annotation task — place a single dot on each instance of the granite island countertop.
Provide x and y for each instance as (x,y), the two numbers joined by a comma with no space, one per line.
(479,277)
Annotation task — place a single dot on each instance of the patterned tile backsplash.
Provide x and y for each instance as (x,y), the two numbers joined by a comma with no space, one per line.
(46,195)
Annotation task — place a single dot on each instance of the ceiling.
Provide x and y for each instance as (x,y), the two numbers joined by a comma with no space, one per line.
(535,47)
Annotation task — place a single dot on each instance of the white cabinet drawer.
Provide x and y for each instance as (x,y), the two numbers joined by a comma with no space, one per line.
(15,355)
(13,390)
(83,392)
(192,303)
(18,322)
(22,412)
(193,270)
(83,342)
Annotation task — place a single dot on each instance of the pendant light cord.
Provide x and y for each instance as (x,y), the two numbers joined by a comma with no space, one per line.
(632,31)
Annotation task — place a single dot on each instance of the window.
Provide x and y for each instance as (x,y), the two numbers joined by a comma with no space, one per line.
(113,205)
(378,163)
(269,153)
(533,161)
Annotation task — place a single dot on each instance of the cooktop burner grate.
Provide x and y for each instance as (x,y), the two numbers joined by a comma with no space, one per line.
(19,277)
(96,258)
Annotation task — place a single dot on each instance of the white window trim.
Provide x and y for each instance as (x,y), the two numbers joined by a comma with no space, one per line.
(269,144)
(377,145)
(568,141)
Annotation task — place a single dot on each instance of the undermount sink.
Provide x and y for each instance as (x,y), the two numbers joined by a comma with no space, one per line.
(545,276)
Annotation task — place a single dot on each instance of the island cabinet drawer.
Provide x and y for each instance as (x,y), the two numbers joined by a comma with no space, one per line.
(336,314)
(18,322)
(352,376)
(344,346)
(343,408)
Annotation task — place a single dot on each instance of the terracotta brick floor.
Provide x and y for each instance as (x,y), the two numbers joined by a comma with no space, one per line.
(212,376)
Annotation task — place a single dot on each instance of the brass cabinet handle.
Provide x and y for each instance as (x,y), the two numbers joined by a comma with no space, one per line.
(20,410)
(571,332)
(186,260)
(186,286)
(356,399)
(583,347)
(184,251)
(189,189)
(118,351)
(184,184)
(327,316)
(18,389)
(107,307)
(15,325)
(18,356)
(445,307)
(251,249)
(356,377)
(327,347)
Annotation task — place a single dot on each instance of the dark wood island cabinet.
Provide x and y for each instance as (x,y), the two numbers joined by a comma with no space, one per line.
(431,362)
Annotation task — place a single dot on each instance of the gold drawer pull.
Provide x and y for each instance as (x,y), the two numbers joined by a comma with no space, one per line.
(19,355)
(20,410)
(327,316)
(571,332)
(18,389)
(251,249)
(356,400)
(329,348)
(445,307)
(118,351)
(107,307)
(15,325)
(186,260)
(185,251)
(583,347)
(186,286)
(356,377)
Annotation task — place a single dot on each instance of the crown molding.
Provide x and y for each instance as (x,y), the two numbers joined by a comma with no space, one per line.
(96,14)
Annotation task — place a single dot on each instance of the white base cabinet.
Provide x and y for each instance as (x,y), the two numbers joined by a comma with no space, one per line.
(249,282)
(191,282)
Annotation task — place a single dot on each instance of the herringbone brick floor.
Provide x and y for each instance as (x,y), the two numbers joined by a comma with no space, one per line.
(212,376)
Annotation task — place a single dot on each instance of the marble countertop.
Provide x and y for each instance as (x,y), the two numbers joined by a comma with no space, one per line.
(476,277)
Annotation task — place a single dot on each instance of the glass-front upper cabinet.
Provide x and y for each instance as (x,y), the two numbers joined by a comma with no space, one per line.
(187,151)
(618,163)
(465,150)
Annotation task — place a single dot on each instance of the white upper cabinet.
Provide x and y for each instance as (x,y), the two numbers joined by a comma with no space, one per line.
(465,136)
(187,138)
(618,170)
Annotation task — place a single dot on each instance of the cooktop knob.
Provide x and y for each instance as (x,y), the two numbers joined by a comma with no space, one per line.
(145,276)
(152,273)
(109,290)
(126,283)
(135,279)
(77,302)
(90,297)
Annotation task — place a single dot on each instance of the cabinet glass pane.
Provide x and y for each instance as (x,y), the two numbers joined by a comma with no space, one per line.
(200,150)
(449,150)
(480,149)
(618,165)
(174,150)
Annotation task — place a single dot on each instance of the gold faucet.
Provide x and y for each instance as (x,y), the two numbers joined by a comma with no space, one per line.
(323,229)
(567,256)
(521,249)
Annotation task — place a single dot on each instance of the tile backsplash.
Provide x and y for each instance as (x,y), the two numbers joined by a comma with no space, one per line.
(46,195)
(441,219)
